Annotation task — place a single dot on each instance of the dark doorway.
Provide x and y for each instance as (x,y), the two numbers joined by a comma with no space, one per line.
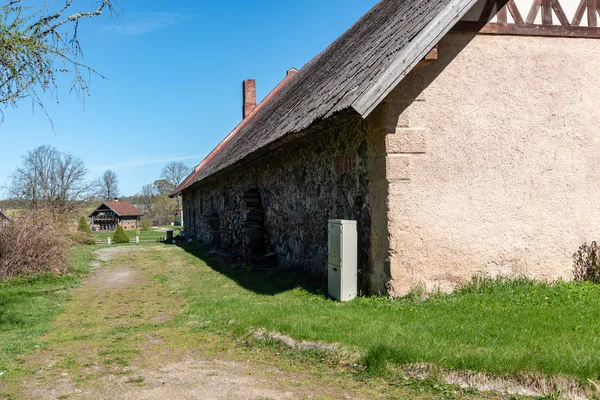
(253,227)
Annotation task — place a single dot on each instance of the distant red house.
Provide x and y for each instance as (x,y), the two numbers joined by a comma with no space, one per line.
(110,214)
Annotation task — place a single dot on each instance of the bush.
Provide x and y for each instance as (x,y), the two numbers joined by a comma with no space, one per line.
(586,265)
(83,226)
(32,245)
(120,236)
(144,224)
(81,238)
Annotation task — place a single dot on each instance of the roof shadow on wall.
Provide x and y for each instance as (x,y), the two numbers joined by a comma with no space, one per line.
(263,281)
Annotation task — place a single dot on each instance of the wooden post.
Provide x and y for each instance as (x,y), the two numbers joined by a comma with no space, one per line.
(108,240)
(137,239)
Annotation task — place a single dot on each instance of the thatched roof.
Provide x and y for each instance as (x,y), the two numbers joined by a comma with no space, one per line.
(4,216)
(356,71)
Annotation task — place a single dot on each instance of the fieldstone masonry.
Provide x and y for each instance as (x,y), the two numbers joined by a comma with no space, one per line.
(472,165)
(322,175)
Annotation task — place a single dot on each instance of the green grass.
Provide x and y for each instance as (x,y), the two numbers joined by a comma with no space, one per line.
(497,326)
(28,307)
(147,235)
(176,228)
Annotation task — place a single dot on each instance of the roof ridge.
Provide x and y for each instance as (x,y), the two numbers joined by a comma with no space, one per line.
(235,130)
(356,71)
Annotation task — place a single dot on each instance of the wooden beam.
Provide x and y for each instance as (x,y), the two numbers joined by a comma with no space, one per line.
(579,13)
(547,12)
(528,30)
(514,11)
(558,10)
(428,59)
(533,12)
(432,55)
(486,14)
(502,14)
(591,13)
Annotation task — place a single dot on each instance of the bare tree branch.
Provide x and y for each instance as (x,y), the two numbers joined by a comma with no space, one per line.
(107,186)
(32,54)
(49,179)
(174,173)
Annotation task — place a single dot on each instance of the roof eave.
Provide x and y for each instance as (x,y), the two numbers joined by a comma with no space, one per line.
(431,35)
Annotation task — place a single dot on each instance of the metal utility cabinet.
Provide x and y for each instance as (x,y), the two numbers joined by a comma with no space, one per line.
(342,278)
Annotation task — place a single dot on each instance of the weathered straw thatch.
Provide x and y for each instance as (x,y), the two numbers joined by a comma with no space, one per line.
(356,71)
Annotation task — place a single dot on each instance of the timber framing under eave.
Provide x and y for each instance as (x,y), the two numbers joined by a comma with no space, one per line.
(554,21)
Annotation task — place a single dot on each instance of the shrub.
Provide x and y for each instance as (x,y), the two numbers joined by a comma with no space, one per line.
(81,238)
(32,245)
(144,224)
(586,265)
(120,236)
(83,226)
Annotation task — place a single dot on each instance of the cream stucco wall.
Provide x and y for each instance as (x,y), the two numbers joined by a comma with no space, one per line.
(494,160)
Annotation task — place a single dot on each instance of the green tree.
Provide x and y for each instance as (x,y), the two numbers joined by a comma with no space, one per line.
(163,208)
(37,43)
(120,236)
(83,226)
(144,224)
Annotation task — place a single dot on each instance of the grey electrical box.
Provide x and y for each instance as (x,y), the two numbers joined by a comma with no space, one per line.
(343,269)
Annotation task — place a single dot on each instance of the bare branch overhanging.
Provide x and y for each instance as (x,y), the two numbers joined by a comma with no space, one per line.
(36,45)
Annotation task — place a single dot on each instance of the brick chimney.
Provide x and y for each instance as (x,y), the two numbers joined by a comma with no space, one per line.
(249,91)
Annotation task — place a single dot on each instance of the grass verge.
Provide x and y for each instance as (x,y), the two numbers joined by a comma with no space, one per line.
(145,235)
(28,307)
(506,328)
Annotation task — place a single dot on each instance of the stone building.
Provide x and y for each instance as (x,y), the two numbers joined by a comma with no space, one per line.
(110,214)
(461,135)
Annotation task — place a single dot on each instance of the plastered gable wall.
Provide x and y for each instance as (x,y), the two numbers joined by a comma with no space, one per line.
(493,163)
(322,175)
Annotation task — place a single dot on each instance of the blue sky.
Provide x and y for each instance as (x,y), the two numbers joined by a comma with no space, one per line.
(174,89)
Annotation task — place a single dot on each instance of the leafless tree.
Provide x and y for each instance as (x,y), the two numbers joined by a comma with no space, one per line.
(174,173)
(48,178)
(146,197)
(39,42)
(107,186)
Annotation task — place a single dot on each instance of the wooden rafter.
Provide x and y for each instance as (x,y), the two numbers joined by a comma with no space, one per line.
(502,7)
(549,8)
(579,13)
(560,13)
(528,30)
(547,12)
(486,14)
(592,6)
(514,11)
(502,16)
(554,21)
(533,12)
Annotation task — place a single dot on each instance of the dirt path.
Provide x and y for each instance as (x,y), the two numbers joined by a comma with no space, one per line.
(117,340)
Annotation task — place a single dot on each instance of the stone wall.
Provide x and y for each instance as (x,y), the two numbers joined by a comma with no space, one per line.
(493,163)
(300,186)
